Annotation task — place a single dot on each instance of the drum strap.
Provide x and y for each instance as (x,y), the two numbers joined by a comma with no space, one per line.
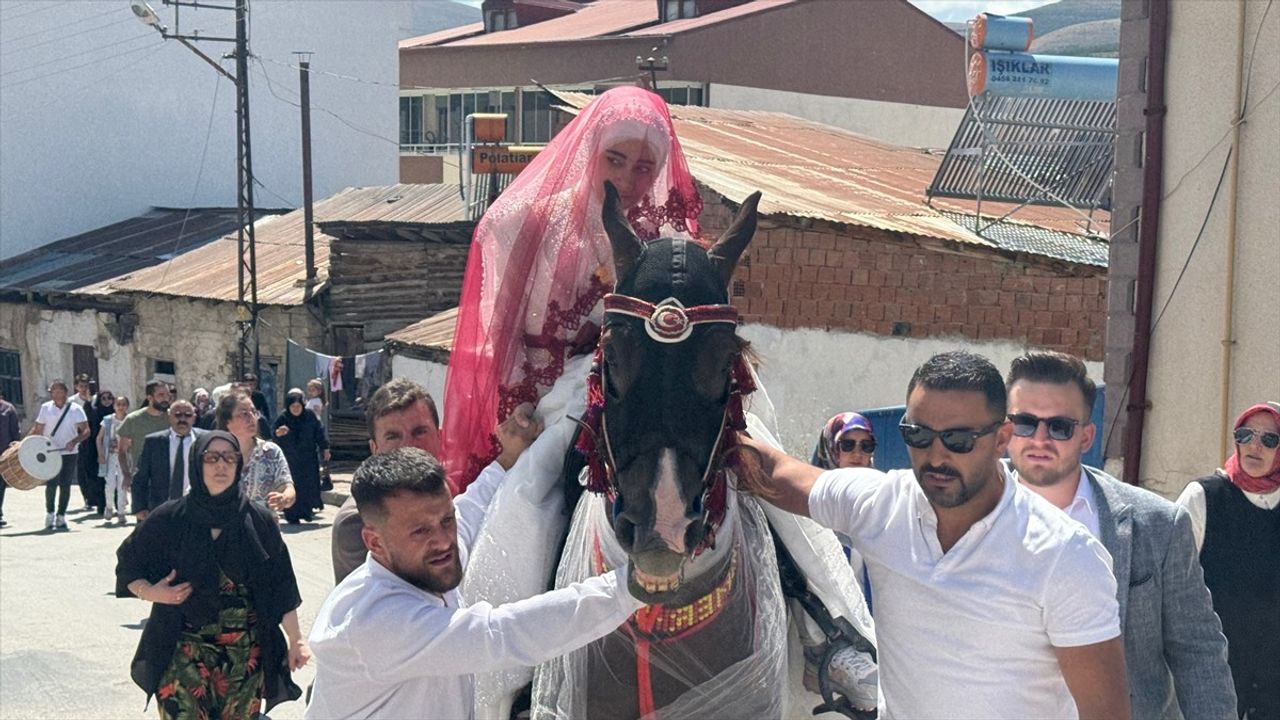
(61,417)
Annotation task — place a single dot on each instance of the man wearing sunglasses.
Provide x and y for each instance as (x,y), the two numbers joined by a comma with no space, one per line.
(989,602)
(163,473)
(1175,652)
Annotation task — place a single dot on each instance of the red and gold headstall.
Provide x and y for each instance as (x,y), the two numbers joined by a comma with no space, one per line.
(669,321)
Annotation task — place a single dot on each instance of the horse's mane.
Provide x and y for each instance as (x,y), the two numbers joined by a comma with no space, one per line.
(748,472)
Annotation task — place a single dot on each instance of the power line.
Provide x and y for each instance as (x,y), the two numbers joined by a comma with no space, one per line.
(39,8)
(63,58)
(64,26)
(271,89)
(59,38)
(195,188)
(77,67)
(95,82)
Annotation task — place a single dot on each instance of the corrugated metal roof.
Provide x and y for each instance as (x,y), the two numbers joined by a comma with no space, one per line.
(442,36)
(125,247)
(807,169)
(435,332)
(601,18)
(211,273)
(701,21)
(1043,241)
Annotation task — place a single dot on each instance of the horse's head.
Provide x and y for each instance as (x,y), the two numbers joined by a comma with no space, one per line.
(669,355)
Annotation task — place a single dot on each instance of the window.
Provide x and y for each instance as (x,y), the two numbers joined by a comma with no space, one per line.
(677,9)
(165,370)
(411,121)
(499,20)
(535,123)
(11,376)
(681,95)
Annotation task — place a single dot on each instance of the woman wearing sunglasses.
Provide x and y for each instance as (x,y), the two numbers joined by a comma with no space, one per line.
(846,440)
(1235,515)
(221,584)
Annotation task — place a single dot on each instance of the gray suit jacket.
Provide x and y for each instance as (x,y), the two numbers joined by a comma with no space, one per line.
(1173,641)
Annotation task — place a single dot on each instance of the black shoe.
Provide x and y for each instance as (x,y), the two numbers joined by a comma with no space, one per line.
(3,523)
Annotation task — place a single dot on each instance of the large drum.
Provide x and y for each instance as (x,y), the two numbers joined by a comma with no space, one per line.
(30,463)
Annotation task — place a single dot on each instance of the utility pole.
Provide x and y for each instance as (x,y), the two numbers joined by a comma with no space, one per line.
(304,94)
(248,358)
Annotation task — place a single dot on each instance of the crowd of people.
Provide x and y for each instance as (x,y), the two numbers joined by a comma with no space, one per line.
(1005,578)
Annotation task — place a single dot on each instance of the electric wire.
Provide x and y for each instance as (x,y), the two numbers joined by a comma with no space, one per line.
(64,58)
(63,96)
(1243,114)
(63,26)
(39,8)
(365,131)
(195,188)
(7,86)
(11,50)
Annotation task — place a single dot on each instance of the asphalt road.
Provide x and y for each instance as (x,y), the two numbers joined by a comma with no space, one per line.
(66,640)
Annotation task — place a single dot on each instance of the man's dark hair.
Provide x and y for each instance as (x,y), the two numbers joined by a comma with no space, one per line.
(1058,368)
(227,407)
(962,370)
(154,385)
(403,470)
(58,382)
(397,395)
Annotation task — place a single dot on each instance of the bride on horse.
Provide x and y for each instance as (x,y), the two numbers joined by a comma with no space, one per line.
(529,320)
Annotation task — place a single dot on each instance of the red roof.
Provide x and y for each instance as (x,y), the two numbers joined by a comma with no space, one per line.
(601,18)
(737,11)
(443,36)
(807,169)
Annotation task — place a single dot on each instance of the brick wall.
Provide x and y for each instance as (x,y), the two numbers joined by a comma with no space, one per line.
(866,280)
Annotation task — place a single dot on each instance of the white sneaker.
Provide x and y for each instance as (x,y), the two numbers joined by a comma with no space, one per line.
(61,523)
(854,674)
(48,521)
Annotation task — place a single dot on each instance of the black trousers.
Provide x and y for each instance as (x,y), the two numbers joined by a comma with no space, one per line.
(62,484)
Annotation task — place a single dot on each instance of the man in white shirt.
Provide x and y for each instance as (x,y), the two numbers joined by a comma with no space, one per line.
(990,602)
(1175,652)
(393,640)
(66,425)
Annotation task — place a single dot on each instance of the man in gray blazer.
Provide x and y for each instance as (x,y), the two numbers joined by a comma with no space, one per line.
(1175,652)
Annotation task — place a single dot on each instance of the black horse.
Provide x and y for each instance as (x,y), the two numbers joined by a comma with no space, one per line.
(668,385)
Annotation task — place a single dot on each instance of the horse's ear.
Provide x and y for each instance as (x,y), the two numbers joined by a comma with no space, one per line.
(626,246)
(725,253)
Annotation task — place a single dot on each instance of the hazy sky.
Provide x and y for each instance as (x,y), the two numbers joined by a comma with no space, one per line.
(961,10)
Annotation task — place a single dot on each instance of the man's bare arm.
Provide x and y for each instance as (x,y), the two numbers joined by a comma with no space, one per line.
(789,479)
(1096,677)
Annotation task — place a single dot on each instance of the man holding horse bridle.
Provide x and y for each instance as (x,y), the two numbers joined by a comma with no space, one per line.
(990,601)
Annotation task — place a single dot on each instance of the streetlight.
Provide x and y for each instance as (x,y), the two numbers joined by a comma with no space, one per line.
(652,65)
(247,295)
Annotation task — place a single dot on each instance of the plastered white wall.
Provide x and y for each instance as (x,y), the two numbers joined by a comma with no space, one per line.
(810,375)
(898,123)
(1183,433)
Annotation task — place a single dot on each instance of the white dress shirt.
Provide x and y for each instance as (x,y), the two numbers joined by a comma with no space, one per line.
(385,648)
(1192,498)
(1084,508)
(187,441)
(970,633)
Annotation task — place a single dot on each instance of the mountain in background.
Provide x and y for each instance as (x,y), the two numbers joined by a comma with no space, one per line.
(1084,28)
(1089,28)
(431,16)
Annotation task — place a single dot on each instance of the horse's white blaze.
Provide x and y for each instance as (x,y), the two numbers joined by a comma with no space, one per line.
(670,521)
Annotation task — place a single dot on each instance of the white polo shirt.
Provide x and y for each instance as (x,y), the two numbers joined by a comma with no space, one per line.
(970,633)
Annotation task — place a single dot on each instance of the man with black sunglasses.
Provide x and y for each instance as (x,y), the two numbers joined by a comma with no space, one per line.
(989,602)
(1175,652)
(164,471)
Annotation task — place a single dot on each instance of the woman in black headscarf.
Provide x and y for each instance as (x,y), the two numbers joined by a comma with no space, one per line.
(221,584)
(301,436)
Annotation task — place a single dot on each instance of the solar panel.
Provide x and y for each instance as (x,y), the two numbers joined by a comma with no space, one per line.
(1066,147)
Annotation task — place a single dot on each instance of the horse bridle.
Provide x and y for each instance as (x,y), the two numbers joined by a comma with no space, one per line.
(670,322)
